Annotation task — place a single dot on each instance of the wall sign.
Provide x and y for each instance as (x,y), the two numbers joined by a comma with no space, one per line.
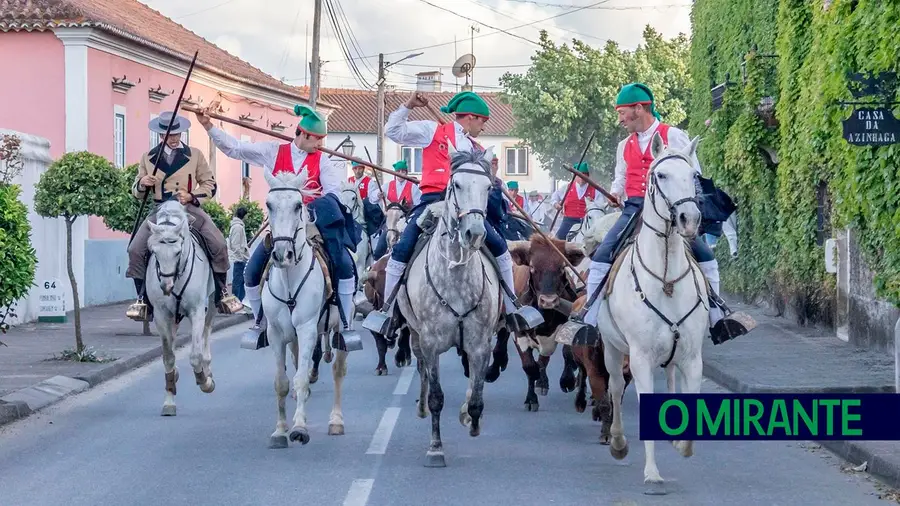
(871,127)
(52,302)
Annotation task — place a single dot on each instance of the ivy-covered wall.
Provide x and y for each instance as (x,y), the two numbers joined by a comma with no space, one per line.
(803,54)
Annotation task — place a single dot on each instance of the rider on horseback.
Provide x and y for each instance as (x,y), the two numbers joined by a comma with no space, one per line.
(471,113)
(370,194)
(637,113)
(336,226)
(183,174)
(400,192)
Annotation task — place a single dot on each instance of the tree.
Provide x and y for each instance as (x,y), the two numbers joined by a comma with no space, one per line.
(218,215)
(570,92)
(78,184)
(125,207)
(17,257)
(254,218)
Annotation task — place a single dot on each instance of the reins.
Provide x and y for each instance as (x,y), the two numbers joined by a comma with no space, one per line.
(176,275)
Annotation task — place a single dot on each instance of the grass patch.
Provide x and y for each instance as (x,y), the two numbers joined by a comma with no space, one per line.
(86,355)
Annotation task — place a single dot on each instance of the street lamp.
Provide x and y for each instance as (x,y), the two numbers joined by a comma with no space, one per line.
(348,147)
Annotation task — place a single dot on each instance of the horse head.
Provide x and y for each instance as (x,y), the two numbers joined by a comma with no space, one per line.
(395,222)
(167,239)
(467,195)
(288,216)
(673,187)
(594,210)
(352,200)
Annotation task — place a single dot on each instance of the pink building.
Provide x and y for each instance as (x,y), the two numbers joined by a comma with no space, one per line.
(91,74)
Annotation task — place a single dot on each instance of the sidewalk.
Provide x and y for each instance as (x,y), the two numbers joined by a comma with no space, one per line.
(30,379)
(779,356)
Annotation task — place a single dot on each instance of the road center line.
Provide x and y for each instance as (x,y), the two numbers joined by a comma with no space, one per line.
(405,380)
(382,435)
(358,495)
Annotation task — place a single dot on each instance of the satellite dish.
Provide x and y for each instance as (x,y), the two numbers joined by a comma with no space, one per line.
(464,66)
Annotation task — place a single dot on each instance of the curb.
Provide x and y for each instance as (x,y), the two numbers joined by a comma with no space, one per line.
(885,470)
(22,403)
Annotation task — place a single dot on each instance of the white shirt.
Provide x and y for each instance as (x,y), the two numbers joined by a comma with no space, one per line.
(374,196)
(536,209)
(263,154)
(419,134)
(401,184)
(560,194)
(677,139)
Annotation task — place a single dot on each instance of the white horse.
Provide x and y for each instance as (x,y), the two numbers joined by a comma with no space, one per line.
(352,200)
(658,272)
(184,288)
(293,302)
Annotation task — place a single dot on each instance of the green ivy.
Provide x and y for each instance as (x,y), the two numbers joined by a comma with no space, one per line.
(814,50)
(254,217)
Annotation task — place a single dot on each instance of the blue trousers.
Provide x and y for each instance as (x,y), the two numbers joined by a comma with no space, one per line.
(604,252)
(404,248)
(237,280)
(566,226)
(381,247)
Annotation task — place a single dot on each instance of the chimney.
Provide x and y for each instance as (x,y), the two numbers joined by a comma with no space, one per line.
(428,81)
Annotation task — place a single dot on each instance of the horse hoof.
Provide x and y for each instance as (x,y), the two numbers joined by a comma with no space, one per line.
(328,356)
(300,434)
(655,488)
(684,448)
(465,419)
(620,453)
(168,410)
(381,371)
(313,376)
(435,459)
(604,439)
(580,405)
(209,386)
(279,442)
(543,391)
(531,406)
(335,429)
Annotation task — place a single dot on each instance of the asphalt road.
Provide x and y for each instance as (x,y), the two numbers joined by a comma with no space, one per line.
(109,446)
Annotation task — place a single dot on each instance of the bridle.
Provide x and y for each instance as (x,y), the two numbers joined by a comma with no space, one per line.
(356,201)
(179,268)
(654,189)
(453,226)
(293,238)
(403,209)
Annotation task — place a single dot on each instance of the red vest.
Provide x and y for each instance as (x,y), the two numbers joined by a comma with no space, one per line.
(521,201)
(285,163)
(363,186)
(637,164)
(436,159)
(574,207)
(405,195)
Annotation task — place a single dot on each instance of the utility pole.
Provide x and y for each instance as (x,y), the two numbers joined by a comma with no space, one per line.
(315,63)
(379,142)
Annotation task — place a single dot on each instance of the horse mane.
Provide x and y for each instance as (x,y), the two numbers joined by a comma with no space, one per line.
(475,157)
(291,180)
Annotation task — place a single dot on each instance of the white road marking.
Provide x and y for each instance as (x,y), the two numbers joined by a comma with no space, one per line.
(382,435)
(358,495)
(405,380)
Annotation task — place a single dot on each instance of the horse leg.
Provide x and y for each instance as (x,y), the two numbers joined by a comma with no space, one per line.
(423,376)
(470,411)
(691,380)
(618,447)
(403,356)
(643,383)
(581,389)
(339,371)
(295,354)
(567,378)
(329,354)
(307,335)
(532,374)
(598,377)
(207,352)
(381,343)
(435,454)
(197,332)
(316,358)
(166,331)
(279,439)
(500,355)
(543,382)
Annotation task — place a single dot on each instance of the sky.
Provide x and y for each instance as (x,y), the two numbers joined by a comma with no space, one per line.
(278,38)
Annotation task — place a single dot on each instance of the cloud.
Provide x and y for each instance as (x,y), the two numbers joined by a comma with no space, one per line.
(274,38)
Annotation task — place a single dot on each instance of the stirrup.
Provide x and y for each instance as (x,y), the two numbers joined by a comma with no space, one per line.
(139,311)
(230,305)
(733,325)
(255,338)
(576,331)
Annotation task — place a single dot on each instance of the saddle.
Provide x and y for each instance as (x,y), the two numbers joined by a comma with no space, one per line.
(314,239)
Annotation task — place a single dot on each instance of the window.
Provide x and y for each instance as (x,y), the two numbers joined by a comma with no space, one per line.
(413,157)
(119,136)
(154,137)
(245,167)
(516,161)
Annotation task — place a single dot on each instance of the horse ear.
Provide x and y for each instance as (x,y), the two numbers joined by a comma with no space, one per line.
(588,200)
(154,228)
(451,150)
(520,251)
(657,145)
(692,149)
(270,178)
(489,154)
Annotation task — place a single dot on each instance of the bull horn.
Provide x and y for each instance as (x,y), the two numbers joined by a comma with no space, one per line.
(523,246)
(574,247)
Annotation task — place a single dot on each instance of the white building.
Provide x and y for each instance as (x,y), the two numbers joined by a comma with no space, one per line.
(357,117)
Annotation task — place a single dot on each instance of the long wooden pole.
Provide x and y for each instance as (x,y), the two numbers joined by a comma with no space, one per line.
(594,185)
(291,139)
(137,218)
(572,181)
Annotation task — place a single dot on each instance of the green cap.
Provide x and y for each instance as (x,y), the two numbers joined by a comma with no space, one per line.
(583,167)
(311,121)
(513,185)
(467,102)
(634,94)
(401,165)
(354,164)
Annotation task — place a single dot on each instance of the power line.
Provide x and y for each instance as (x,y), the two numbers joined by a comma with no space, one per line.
(490,33)
(606,8)
(338,30)
(481,23)
(226,2)
(484,6)
(480,66)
